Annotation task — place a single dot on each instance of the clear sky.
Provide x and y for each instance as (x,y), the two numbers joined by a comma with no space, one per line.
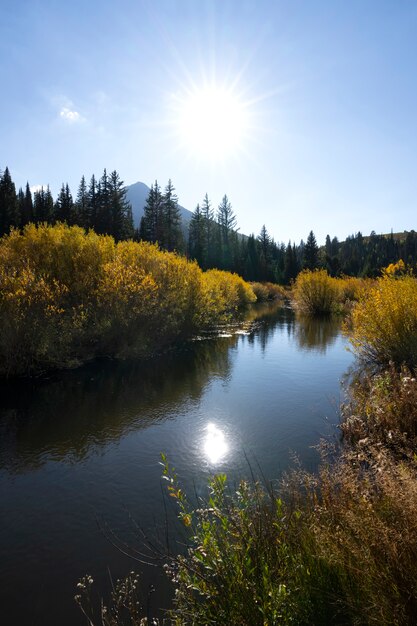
(315,123)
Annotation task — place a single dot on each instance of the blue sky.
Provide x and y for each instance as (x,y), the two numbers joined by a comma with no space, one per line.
(329,89)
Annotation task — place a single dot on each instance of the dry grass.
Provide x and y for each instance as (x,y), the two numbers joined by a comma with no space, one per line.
(362,507)
(362,515)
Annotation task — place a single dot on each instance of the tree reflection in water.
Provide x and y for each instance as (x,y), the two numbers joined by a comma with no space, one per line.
(316,333)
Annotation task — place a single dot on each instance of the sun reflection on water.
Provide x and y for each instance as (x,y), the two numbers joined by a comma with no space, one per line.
(215,445)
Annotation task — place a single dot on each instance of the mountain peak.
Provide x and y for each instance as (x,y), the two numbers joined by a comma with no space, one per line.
(137,194)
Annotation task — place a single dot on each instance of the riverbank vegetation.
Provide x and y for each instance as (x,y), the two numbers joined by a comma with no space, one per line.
(384,322)
(268,291)
(317,293)
(67,296)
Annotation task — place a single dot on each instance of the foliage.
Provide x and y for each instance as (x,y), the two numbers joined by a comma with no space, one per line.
(212,240)
(221,296)
(102,206)
(67,296)
(384,322)
(395,269)
(351,288)
(245,563)
(316,293)
(268,291)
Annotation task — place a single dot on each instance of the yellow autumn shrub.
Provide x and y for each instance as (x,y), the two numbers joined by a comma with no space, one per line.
(67,296)
(34,332)
(316,293)
(351,288)
(268,291)
(221,295)
(384,322)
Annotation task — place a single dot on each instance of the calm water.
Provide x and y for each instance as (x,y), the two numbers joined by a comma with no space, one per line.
(80,452)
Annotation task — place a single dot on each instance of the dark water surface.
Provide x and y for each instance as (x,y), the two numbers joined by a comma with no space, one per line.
(82,449)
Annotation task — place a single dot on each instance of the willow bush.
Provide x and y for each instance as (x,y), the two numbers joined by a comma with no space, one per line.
(383,324)
(316,293)
(67,296)
(268,291)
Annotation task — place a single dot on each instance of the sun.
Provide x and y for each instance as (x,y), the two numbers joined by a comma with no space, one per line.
(212,122)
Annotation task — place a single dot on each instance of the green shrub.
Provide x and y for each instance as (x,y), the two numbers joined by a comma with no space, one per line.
(248,562)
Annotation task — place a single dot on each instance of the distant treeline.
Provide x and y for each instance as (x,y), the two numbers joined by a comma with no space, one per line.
(213,239)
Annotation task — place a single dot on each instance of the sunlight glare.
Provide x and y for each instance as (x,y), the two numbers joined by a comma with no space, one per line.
(212,122)
(215,445)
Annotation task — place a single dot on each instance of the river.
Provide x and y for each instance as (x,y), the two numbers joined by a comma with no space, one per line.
(80,452)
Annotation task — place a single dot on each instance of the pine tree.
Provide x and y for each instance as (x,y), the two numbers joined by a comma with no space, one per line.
(265,254)
(151,226)
(290,263)
(64,206)
(331,249)
(251,262)
(21,203)
(81,206)
(328,246)
(9,206)
(196,236)
(92,203)
(226,220)
(171,233)
(311,252)
(410,247)
(209,234)
(43,206)
(121,210)
(26,211)
(225,216)
(103,217)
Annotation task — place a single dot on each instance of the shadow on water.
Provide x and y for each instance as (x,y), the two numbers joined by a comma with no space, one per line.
(76,412)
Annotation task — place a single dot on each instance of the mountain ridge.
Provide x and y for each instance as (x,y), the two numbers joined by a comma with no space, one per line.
(137,194)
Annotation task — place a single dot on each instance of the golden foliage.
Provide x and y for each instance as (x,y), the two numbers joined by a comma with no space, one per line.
(268,291)
(395,269)
(384,322)
(316,292)
(67,295)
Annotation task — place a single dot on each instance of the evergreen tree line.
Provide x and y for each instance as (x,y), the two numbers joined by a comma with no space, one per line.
(100,205)
(213,237)
(365,256)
